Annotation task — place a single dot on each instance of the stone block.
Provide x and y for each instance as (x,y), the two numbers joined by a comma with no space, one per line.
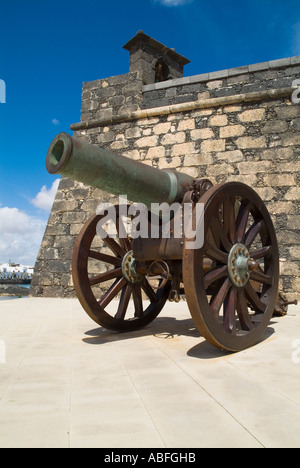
(288,112)
(105,137)
(186,124)
(59,266)
(133,132)
(202,134)
(162,128)
(198,160)
(173,138)
(291,139)
(183,149)
(210,146)
(214,84)
(74,217)
(254,167)
(232,131)
(218,120)
(251,142)
(293,194)
(173,163)
(217,170)
(231,156)
(279,180)
(156,152)
(64,242)
(266,193)
(278,153)
(146,142)
(64,205)
(252,115)
(275,126)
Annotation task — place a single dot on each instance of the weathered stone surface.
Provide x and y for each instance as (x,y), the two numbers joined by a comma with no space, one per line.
(210,146)
(218,121)
(232,131)
(252,115)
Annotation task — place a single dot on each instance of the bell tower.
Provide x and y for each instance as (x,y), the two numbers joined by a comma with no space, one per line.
(154,61)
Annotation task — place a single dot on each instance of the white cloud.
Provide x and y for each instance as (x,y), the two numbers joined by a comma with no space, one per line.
(45,198)
(20,236)
(173,3)
(55,122)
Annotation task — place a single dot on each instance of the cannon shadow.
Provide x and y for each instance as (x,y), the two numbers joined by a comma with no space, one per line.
(204,350)
(166,328)
(162,327)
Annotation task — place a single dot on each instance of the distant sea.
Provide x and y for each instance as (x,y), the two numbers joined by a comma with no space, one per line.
(9,298)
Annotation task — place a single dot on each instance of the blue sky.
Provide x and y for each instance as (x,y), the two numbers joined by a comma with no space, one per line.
(49,48)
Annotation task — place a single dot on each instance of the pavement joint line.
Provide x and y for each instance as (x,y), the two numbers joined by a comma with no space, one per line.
(140,397)
(211,396)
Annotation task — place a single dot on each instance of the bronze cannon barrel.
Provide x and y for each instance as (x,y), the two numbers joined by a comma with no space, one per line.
(113,173)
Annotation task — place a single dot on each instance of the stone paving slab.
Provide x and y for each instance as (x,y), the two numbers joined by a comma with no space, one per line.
(65,382)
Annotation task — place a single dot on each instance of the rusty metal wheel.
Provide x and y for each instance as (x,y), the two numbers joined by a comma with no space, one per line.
(103,271)
(232,302)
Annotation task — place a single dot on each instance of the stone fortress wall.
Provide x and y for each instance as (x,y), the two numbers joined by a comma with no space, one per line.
(239,124)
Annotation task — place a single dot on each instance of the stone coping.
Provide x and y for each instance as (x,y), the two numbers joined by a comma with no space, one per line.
(216,75)
(185,107)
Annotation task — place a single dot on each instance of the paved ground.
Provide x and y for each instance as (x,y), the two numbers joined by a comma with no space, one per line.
(65,382)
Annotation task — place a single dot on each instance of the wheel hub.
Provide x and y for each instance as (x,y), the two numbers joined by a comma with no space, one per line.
(239,265)
(128,269)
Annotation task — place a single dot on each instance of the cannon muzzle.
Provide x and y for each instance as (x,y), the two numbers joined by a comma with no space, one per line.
(115,174)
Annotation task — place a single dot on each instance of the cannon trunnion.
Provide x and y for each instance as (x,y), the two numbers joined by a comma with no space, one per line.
(217,249)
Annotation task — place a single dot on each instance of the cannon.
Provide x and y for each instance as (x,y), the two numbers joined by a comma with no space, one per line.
(228,276)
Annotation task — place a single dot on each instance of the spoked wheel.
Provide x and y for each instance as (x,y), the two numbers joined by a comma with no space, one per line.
(104,270)
(233,302)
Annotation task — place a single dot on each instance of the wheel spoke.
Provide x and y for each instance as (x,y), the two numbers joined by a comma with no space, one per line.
(260,253)
(108,275)
(124,301)
(215,275)
(241,222)
(229,310)
(220,297)
(117,261)
(218,234)
(242,310)
(253,233)
(124,241)
(229,219)
(137,299)
(115,247)
(253,298)
(216,254)
(112,292)
(260,277)
(149,291)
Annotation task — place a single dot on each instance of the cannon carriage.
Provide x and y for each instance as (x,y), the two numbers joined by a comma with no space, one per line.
(223,258)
